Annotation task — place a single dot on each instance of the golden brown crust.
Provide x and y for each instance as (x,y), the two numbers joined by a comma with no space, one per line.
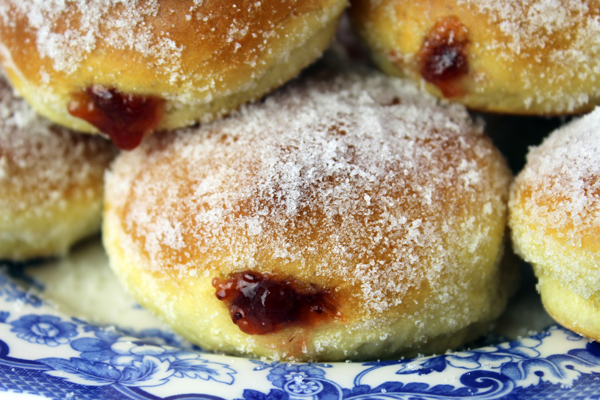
(205,58)
(358,186)
(523,57)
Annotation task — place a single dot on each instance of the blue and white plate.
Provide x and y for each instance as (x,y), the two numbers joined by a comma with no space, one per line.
(49,350)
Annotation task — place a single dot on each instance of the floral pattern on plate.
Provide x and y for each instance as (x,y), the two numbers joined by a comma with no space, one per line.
(45,353)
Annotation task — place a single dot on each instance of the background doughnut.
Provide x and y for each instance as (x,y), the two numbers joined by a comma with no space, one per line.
(555,222)
(177,61)
(359,189)
(522,57)
(51,182)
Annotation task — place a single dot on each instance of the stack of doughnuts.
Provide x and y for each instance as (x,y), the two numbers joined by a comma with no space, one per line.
(348,217)
(51,182)
(521,57)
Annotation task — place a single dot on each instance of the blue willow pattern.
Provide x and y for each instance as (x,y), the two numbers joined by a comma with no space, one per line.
(54,356)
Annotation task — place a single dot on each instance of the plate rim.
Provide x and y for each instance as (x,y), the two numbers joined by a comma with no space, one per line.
(54,355)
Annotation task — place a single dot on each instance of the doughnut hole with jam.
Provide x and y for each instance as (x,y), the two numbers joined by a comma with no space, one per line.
(260,304)
(177,62)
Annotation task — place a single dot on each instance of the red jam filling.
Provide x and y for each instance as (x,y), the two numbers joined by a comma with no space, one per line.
(260,304)
(443,56)
(125,118)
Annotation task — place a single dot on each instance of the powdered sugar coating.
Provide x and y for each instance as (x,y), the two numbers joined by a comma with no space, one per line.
(555,206)
(203,58)
(45,170)
(565,169)
(529,24)
(67,46)
(68,33)
(41,159)
(534,57)
(560,39)
(346,179)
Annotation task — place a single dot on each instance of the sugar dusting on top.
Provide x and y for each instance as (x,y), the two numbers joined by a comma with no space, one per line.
(555,206)
(67,46)
(550,34)
(40,163)
(528,24)
(174,40)
(362,181)
(562,178)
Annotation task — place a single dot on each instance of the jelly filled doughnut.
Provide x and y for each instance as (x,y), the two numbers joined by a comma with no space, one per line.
(555,222)
(51,182)
(346,218)
(539,57)
(128,68)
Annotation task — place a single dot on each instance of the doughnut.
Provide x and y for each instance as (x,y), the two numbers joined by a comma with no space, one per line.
(345,217)
(537,57)
(555,222)
(51,182)
(128,68)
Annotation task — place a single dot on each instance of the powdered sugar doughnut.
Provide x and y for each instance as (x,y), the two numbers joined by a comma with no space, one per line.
(51,182)
(126,68)
(524,57)
(350,218)
(555,220)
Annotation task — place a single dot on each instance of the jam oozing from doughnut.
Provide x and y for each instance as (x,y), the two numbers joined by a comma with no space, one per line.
(260,304)
(125,118)
(443,56)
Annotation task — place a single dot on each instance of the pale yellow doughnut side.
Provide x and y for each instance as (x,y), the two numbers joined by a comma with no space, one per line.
(509,71)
